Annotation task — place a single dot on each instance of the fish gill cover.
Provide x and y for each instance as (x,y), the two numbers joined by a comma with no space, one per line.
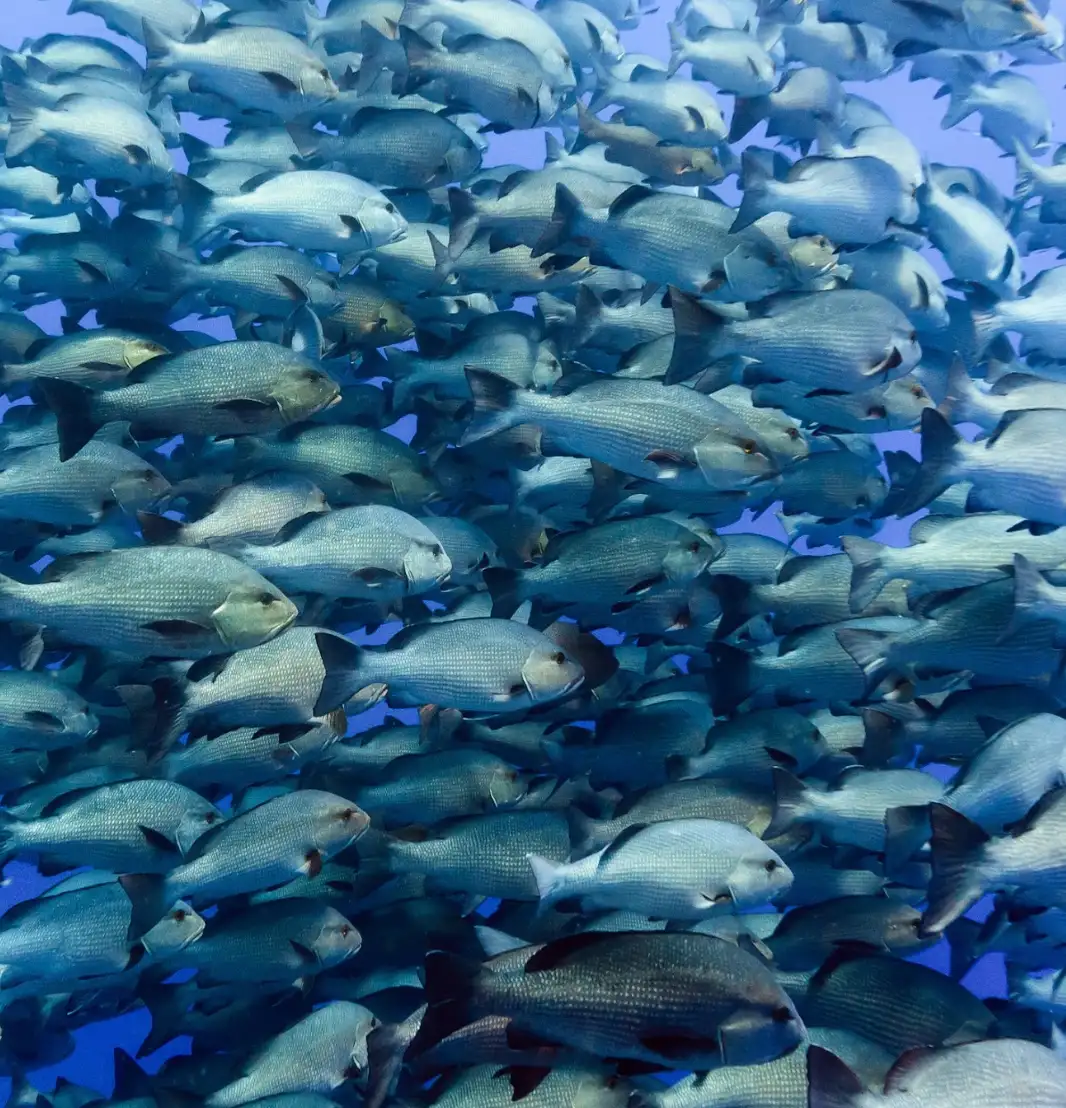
(343,419)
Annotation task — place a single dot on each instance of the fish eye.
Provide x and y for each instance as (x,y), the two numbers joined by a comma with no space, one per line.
(558,657)
(148,474)
(862,501)
(437,550)
(210,817)
(347,814)
(912,336)
(180,915)
(876,412)
(781,1015)
(265,598)
(749,447)
(771,865)
(346,930)
(693,547)
(793,433)
(390,207)
(917,390)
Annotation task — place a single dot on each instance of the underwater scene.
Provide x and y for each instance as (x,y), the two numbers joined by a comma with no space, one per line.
(533,553)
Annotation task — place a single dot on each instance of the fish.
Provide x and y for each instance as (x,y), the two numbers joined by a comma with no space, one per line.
(271,389)
(317,1054)
(676,869)
(471,665)
(367,552)
(193,602)
(742,1027)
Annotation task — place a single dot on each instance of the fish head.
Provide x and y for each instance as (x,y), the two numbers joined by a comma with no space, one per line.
(139,486)
(379,222)
(336,940)
(993,23)
(870,493)
(425,565)
(303,389)
(733,460)
(549,672)
(548,369)
(691,554)
(903,930)
(338,824)
(194,822)
(180,927)
(758,876)
(507,786)
(140,350)
(393,322)
(811,257)
(252,613)
(316,83)
(766,1025)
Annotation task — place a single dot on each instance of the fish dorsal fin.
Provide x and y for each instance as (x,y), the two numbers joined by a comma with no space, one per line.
(626,200)
(619,843)
(558,952)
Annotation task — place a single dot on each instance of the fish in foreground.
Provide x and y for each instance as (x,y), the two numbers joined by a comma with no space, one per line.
(345,416)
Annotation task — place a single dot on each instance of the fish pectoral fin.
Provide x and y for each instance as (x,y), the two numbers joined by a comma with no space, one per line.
(279,82)
(524,1079)
(312,866)
(176,628)
(157,840)
(375,576)
(669,462)
(304,953)
(518,1038)
(677,1045)
(246,407)
(646,584)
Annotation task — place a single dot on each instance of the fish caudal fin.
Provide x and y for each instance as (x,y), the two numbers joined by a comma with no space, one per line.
(957,883)
(830,1082)
(868,573)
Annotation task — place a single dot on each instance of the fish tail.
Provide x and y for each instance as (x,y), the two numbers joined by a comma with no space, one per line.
(585,832)
(452,984)
(906,831)
(748,113)
(158,63)
(695,328)
(307,141)
(729,677)
(831,1083)
(495,401)
(756,175)
(1030,596)
(870,650)
(9,837)
(546,873)
(881,735)
(963,398)
(959,107)
(565,213)
(23,117)
(868,572)
(12,597)
(73,407)
(677,49)
(199,209)
(505,588)
(148,897)
(958,847)
(964,937)
(157,530)
(987,320)
(464,220)
(936,472)
(790,803)
(1026,183)
(340,659)
(443,262)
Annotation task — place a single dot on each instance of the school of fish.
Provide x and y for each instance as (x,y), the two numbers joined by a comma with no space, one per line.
(388,693)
